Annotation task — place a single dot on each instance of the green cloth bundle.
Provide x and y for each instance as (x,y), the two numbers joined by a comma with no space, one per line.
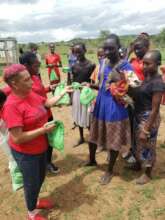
(87,96)
(76,85)
(65,100)
(66,69)
(56,137)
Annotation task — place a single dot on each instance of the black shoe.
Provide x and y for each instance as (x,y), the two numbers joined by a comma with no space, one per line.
(52,168)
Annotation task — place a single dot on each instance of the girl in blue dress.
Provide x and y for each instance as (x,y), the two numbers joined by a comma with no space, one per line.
(110,124)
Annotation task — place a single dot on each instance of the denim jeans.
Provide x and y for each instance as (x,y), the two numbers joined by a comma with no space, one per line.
(33,168)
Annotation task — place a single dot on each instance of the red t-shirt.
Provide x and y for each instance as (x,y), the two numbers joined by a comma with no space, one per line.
(138,67)
(30,114)
(38,88)
(53,59)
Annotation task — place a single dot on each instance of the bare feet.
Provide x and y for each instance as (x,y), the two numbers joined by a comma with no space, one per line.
(99,150)
(143,179)
(106,178)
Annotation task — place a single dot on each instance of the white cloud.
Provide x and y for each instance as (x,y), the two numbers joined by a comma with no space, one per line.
(17,11)
(40,20)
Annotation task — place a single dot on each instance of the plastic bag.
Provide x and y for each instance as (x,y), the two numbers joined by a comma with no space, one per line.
(76,85)
(16,176)
(65,100)
(66,69)
(4,140)
(87,96)
(56,137)
(53,76)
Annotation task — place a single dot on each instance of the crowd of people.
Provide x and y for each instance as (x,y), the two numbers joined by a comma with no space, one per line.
(126,111)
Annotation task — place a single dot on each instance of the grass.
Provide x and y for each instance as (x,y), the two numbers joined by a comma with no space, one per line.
(159,212)
(148,193)
(117,215)
(134,213)
(162,145)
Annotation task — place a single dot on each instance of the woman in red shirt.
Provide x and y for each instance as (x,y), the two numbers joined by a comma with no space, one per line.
(25,114)
(32,64)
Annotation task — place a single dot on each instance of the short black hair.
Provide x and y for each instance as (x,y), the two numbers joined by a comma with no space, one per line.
(2,97)
(82,45)
(144,41)
(33,46)
(156,55)
(28,58)
(116,38)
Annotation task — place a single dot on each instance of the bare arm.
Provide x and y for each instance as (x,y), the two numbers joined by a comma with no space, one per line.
(19,136)
(52,101)
(156,100)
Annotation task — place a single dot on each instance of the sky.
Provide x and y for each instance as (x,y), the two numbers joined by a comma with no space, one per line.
(63,20)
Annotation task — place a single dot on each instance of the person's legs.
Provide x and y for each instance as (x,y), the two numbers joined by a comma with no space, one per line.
(145,177)
(106,178)
(130,156)
(33,170)
(81,131)
(92,155)
(49,154)
(81,140)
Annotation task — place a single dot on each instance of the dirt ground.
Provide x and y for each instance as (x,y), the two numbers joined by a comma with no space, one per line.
(77,192)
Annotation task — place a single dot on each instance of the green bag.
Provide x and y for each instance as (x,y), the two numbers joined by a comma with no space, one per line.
(65,100)
(76,85)
(87,96)
(53,76)
(16,175)
(66,69)
(56,137)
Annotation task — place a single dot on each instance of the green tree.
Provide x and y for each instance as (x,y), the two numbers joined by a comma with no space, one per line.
(104,34)
(160,38)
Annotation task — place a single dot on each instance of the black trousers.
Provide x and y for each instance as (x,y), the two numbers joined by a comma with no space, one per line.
(33,168)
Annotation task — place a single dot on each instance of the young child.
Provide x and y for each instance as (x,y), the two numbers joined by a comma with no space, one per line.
(120,81)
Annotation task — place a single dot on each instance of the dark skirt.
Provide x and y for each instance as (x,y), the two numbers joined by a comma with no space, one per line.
(112,135)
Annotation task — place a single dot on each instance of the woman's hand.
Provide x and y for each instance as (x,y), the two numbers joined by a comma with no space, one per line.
(48,127)
(68,89)
(52,87)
